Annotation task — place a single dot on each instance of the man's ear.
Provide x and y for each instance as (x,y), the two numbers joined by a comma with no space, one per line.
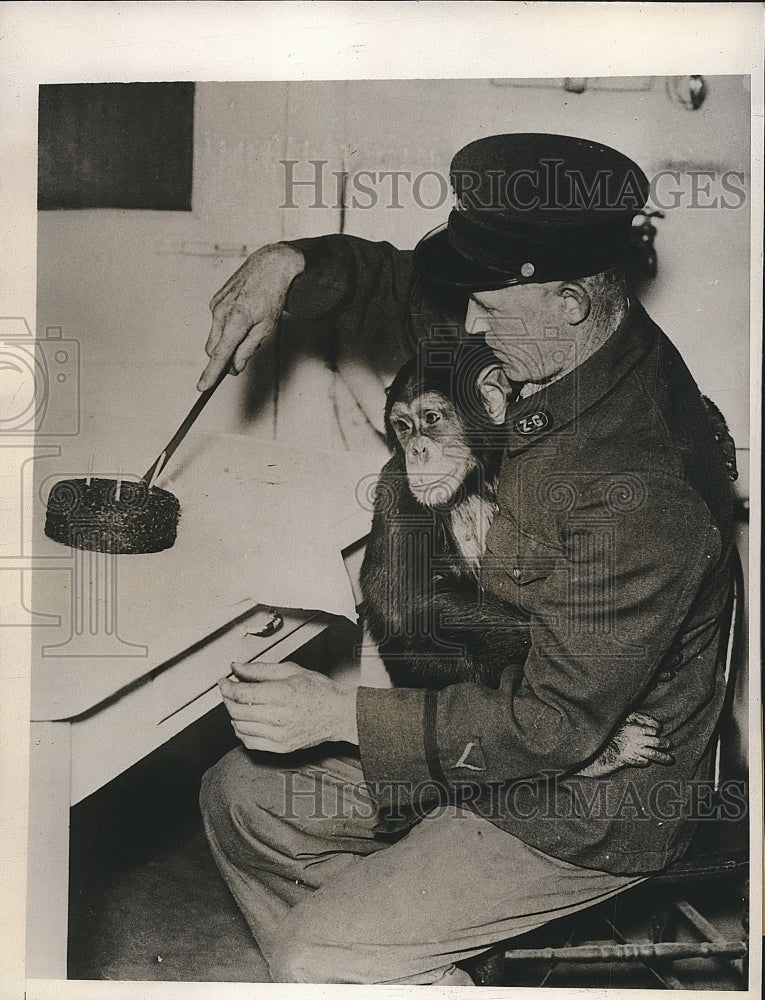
(494,387)
(575,302)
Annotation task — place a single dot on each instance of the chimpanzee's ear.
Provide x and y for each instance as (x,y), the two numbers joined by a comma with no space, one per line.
(494,387)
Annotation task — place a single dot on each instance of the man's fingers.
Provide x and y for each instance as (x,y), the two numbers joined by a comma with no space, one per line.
(231,319)
(210,374)
(270,725)
(216,330)
(249,693)
(255,693)
(227,331)
(236,325)
(232,283)
(259,738)
(258,683)
(247,308)
(249,345)
(263,744)
(257,670)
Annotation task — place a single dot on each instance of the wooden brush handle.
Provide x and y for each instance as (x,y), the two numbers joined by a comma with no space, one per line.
(154,469)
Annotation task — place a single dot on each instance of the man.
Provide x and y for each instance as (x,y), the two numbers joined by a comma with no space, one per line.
(614,536)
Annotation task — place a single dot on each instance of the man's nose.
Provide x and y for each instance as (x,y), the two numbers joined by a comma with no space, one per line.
(476,318)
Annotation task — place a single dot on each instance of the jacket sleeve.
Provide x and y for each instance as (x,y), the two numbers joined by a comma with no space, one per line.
(347,279)
(363,290)
(602,619)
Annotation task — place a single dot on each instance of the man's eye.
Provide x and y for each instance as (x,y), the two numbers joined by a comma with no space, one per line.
(432,417)
(486,309)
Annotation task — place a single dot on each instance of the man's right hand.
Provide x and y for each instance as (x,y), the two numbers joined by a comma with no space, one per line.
(248,307)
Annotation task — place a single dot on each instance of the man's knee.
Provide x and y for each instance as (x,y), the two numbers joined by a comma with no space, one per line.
(300,961)
(302,956)
(231,795)
(217,792)
(304,953)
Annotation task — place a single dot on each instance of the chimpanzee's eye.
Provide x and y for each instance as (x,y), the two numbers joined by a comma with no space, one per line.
(400,427)
(432,417)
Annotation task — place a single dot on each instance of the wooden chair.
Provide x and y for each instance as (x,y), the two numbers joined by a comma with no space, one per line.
(718,854)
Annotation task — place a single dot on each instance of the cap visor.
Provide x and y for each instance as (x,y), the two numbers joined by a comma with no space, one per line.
(436,259)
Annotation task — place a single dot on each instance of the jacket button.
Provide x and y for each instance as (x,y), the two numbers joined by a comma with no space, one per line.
(516,573)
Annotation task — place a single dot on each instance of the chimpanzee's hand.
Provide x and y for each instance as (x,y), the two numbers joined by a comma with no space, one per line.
(248,308)
(281,707)
(637,744)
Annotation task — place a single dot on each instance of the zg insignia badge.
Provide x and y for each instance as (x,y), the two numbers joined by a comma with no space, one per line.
(533,423)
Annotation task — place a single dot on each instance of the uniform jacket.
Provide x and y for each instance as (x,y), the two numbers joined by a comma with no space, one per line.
(614,537)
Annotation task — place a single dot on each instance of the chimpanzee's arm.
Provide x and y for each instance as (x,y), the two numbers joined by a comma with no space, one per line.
(456,636)
(469,636)
(432,627)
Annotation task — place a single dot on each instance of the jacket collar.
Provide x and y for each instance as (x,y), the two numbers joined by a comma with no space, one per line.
(558,405)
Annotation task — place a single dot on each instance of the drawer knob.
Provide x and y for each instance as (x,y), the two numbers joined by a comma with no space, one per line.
(272,625)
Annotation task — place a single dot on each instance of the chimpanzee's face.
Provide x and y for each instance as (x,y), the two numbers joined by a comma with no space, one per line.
(432,437)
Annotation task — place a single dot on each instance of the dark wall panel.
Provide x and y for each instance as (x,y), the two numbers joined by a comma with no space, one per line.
(116,145)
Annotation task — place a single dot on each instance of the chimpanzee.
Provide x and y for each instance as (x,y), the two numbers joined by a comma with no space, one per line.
(423,603)
(435,500)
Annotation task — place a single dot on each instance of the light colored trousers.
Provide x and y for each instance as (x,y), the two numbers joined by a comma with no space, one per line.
(329,901)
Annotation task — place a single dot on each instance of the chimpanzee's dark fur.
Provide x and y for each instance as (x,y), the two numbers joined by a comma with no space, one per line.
(423,604)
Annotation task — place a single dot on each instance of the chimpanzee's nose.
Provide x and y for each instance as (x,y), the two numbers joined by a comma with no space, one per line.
(418,447)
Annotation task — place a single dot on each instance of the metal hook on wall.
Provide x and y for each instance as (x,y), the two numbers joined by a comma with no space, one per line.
(688,91)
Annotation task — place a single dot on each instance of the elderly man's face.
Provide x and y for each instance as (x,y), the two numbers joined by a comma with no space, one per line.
(529,328)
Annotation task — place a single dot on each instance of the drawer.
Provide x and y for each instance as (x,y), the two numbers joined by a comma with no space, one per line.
(121,732)
(199,669)
(183,715)
(111,738)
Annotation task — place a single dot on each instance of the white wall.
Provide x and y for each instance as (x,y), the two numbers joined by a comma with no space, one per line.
(133,287)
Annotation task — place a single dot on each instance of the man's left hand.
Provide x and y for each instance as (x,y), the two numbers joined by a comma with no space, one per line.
(281,707)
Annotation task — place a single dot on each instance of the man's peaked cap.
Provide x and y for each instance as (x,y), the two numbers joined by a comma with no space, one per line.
(533,207)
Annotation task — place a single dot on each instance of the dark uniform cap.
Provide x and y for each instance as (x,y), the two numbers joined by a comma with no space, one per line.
(533,207)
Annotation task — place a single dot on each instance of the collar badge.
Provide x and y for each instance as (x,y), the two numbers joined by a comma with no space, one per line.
(533,423)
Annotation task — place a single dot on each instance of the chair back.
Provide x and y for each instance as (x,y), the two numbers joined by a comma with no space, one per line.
(731,646)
